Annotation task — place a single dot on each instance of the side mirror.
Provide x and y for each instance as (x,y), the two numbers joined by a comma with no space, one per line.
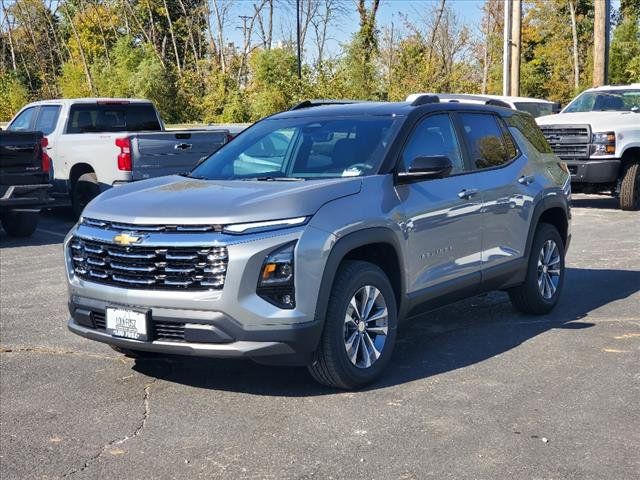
(423,168)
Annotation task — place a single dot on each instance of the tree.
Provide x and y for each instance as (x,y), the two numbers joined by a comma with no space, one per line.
(624,56)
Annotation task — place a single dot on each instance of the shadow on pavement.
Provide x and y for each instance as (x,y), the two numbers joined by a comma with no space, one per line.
(450,338)
(604,202)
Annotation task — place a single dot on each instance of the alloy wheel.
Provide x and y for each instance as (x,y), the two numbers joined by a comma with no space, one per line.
(366,326)
(549,269)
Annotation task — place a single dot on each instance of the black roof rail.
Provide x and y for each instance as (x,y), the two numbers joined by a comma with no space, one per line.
(320,102)
(425,99)
(498,103)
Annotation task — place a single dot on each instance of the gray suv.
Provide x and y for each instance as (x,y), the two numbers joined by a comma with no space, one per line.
(308,238)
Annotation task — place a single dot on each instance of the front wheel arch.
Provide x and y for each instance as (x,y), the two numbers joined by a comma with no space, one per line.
(353,244)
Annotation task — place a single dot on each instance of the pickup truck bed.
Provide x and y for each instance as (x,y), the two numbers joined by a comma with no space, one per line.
(156,154)
(24,181)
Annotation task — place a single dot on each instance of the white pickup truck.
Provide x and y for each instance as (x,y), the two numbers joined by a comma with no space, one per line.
(99,143)
(598,136)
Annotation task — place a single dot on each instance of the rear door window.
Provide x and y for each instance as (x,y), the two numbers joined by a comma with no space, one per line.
(24,121)
(529,128)
(486,140)
(47,119)
(112,117)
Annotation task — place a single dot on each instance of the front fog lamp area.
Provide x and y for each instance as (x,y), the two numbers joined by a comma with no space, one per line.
(275,284)
(603,143)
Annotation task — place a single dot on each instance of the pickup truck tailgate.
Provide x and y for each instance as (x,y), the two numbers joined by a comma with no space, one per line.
(171,152)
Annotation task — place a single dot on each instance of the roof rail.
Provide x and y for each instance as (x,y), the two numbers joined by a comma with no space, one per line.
(458,98)
(423,99)
(497,103)
(320,102)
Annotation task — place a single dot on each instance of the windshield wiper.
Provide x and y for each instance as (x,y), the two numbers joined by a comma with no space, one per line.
(275,179)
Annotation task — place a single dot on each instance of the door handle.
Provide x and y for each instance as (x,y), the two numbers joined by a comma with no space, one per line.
(468,193)
(526,179)
(182,146)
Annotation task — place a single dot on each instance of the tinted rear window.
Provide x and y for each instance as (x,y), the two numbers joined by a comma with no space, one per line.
(117,117)
(529,128)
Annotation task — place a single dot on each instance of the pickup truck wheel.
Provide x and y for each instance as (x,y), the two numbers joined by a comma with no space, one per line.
(20,224)
(630,187)
(545,273)
(360,328)
(85,189)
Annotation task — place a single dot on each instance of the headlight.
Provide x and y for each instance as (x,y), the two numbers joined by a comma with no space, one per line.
(253,227)
(275,284)
(603,143)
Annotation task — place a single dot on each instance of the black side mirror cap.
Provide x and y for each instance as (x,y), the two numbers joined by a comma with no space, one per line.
(423,168)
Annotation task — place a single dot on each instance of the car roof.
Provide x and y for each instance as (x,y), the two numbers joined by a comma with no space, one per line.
(72,101)
(632,86)
(473,97)
(384,109)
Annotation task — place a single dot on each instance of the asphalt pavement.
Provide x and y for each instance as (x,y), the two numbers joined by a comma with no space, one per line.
(475,390)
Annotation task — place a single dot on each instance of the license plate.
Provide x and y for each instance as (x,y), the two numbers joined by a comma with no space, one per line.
(127,323)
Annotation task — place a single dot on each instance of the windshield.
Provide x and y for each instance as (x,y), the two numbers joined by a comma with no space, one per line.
(602,100)
(536,109)
(303,148)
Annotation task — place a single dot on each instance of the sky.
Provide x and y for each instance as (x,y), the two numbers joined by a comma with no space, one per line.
(468,12)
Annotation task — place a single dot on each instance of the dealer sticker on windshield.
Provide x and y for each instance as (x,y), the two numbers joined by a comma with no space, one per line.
(127,323)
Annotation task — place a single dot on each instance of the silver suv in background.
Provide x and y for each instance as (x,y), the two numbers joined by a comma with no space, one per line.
(311,235)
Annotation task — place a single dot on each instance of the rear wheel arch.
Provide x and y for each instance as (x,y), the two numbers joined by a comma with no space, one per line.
(77,171)
(554,211)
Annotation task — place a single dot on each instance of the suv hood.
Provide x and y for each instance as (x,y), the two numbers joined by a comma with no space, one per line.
(176,200)
(599,121)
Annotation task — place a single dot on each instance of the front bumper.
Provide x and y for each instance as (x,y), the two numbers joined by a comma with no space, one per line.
(28,197)
(230,322)
(594,171)
(201,333)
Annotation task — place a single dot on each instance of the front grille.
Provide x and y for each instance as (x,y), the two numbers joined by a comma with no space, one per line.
(165,268)
(107,225)
(568,143)
(159,330)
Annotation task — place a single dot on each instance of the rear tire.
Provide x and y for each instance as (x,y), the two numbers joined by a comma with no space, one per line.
(360,328)
(630,186)
(20,224)
(545,273)
(85,189)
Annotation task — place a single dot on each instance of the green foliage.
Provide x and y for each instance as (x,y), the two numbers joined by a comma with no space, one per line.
(624,57)
(274,84)
(130,49)
(13,95)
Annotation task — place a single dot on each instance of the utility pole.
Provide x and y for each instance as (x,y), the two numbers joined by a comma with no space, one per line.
(298,38)
(516,38)
(506,50)
(602,10)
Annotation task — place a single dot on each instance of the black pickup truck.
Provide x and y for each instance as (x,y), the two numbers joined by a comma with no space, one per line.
(24,181)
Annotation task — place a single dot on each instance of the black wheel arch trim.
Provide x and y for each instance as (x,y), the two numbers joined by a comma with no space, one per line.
(547,203)
(342,247)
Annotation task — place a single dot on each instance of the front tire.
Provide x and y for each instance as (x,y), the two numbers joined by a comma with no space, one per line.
(630,187)
(20,224)
(545,273)
(360,328)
